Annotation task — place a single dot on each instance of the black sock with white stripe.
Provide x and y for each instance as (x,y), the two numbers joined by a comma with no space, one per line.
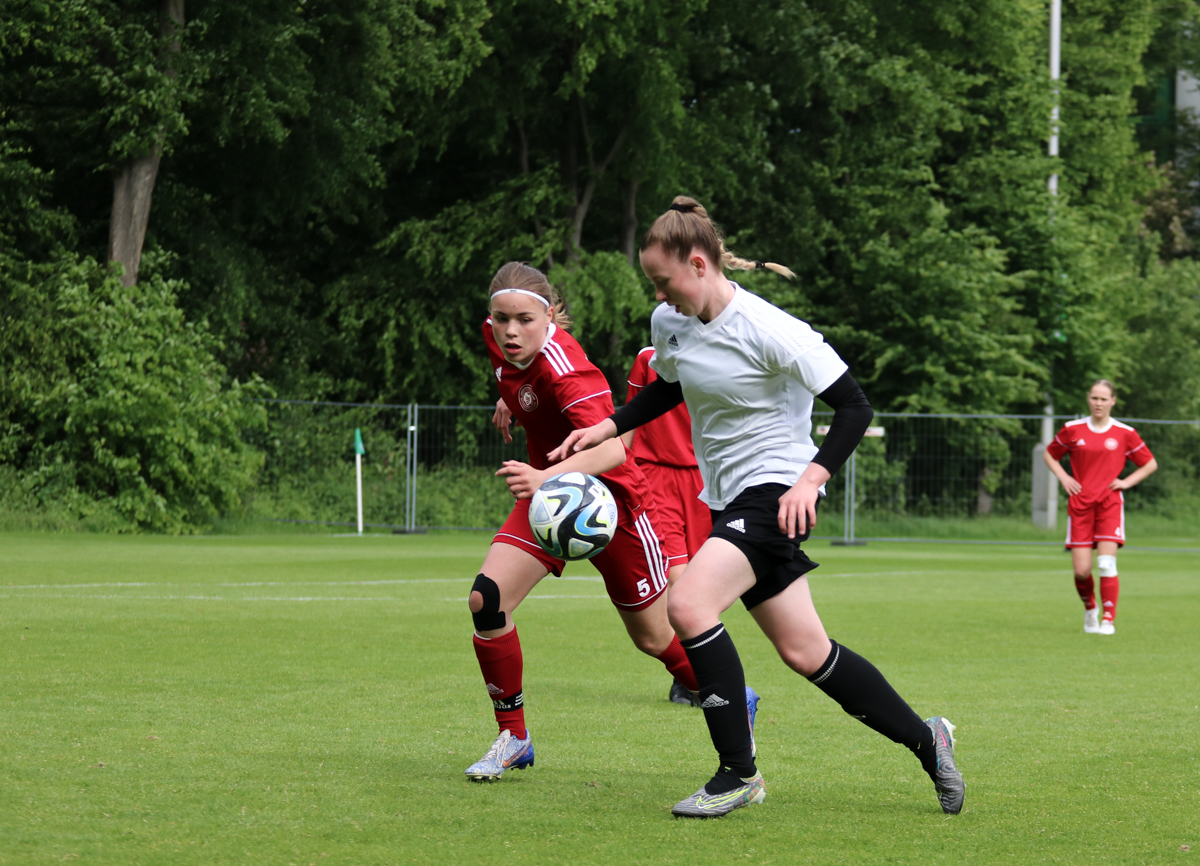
(863,692)
(722,684)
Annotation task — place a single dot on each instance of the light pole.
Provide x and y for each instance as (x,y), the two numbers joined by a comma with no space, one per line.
(1045,491)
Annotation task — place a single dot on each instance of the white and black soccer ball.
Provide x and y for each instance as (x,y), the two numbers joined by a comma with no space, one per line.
(573,516)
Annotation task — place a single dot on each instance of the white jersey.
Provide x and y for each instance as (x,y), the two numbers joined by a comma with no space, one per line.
(748,379)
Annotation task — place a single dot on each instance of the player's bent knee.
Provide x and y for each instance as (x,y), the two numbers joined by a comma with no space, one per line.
(681,615)
(652,645)
(1106,566)
(801,659)
(487,614)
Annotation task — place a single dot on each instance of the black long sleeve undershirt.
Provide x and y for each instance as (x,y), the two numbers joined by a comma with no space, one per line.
(656,399)
(852,414)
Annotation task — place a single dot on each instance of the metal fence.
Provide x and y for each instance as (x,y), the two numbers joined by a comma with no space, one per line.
(433,467)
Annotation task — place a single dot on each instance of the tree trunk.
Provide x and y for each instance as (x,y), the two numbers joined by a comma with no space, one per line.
(133,182)
(523,160)
(629,222)
(132,187)
(984,499)
(581,202)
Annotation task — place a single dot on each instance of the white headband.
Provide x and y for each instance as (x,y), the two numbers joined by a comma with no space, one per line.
(521,292)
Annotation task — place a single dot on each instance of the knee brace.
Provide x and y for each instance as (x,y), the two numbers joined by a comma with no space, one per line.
(490,616)
(1106,566)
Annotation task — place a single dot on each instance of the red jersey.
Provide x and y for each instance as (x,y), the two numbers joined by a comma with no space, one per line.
(667,440)
(1097,457)
(560,391)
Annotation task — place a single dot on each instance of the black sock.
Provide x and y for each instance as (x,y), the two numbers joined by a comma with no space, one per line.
(863,692)
(722,684)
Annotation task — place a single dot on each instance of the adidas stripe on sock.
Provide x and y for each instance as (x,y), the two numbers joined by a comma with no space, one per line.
(722,686)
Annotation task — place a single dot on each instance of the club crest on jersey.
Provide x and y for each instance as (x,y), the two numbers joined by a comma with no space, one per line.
(1111,444)
(528,399)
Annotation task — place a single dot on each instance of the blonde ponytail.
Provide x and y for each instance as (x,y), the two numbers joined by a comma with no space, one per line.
(686,226)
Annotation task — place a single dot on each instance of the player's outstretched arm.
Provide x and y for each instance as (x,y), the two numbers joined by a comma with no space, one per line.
(584,439)
(523,479)
(1135,477)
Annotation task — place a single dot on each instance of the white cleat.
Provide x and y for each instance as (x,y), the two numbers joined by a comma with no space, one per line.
(1107,627)
(1091,621)
(506,753)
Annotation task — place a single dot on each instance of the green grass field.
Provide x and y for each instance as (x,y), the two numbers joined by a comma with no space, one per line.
(314,699)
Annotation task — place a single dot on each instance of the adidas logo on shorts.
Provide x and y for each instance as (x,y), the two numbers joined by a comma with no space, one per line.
(673,341)
(714,701)
(739,525)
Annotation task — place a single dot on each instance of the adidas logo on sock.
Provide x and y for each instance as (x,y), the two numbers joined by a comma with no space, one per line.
(494,690)
(713,701)
(739,525)
(673,341)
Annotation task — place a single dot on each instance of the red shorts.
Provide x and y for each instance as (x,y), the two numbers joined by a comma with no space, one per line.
(1100,521)
(685,521)
(633,565)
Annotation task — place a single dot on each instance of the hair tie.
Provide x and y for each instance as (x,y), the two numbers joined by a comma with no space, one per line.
(682,208)
(760,264)
(520,292)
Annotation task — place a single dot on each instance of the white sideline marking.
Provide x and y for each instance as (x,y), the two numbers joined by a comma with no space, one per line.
(269,583)
(536,597)
(304,598)
(217,598)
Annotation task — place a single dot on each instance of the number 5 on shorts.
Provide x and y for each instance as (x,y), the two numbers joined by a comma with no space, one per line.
(643,588)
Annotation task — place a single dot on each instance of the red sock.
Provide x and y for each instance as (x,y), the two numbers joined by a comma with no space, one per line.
(1110,588)
(676,661)
(1086,587)
(501,662)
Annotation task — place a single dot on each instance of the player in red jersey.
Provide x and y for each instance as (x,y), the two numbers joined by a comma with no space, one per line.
(552,388)
(663,449)
(1099,445)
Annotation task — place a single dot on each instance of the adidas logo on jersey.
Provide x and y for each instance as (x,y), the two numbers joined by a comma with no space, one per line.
(494,690)
(713,701)
(673,341)
(739,525)
(498,369)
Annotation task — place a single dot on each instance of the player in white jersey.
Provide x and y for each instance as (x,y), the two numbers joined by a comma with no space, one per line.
(749,372)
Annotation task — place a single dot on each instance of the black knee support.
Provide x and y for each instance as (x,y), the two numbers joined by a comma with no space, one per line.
(489,617)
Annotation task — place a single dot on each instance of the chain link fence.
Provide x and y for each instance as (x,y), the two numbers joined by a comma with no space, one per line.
(432,467)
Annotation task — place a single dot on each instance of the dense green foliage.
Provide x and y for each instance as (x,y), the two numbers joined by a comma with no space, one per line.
(108,390)
(339,180)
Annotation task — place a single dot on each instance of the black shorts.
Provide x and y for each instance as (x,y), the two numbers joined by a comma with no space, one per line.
(751,524)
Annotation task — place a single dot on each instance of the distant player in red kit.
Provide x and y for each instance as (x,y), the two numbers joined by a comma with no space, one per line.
(552,388)
(663,449)
(1099,447)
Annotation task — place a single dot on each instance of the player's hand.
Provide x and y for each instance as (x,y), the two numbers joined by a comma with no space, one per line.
(581,440)
(1072,486)
(522,479)
(1119,484)
(798,508)
(502,420)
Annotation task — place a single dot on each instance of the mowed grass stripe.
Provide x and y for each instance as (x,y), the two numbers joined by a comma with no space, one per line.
(178,730)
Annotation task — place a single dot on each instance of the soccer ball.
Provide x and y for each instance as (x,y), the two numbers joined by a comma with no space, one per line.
(573,516)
